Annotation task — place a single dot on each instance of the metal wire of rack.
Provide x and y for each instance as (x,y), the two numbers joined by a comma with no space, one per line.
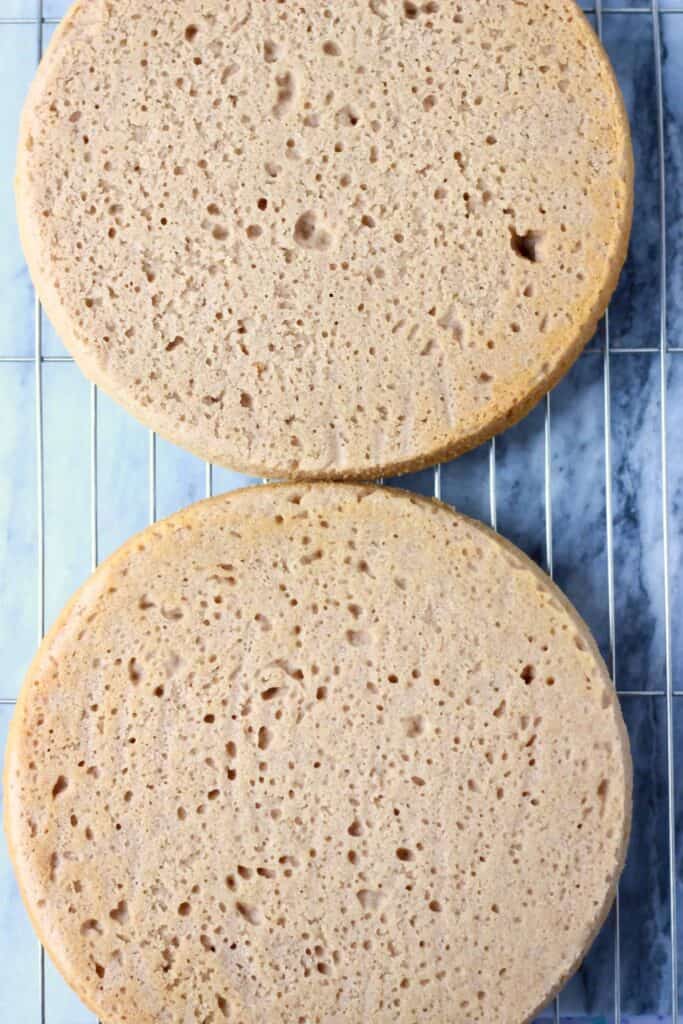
(604,350)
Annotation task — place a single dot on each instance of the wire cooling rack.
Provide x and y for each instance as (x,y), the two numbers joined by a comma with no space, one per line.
(632,972)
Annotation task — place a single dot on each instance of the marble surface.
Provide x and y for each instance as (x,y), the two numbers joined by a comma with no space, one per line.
(637,969)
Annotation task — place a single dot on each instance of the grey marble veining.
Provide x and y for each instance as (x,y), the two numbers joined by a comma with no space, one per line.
(629,42)
(569,535)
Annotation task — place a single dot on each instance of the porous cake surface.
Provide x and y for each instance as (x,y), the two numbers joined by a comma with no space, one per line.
(326,755)
(324,239)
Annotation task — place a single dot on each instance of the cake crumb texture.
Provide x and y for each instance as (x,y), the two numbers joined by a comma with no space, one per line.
(325,239)
(321,754)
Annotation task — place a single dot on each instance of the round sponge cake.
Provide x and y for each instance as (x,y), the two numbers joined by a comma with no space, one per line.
(325,239)
(317,754)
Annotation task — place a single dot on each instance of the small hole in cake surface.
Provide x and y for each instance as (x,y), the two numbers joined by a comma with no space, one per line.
(250,914)
(120,912)
(271,51)
(527,246)
(308,234)
(404,854)
(60,785)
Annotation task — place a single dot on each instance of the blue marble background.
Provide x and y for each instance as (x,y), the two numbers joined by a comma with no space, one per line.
(628,974)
